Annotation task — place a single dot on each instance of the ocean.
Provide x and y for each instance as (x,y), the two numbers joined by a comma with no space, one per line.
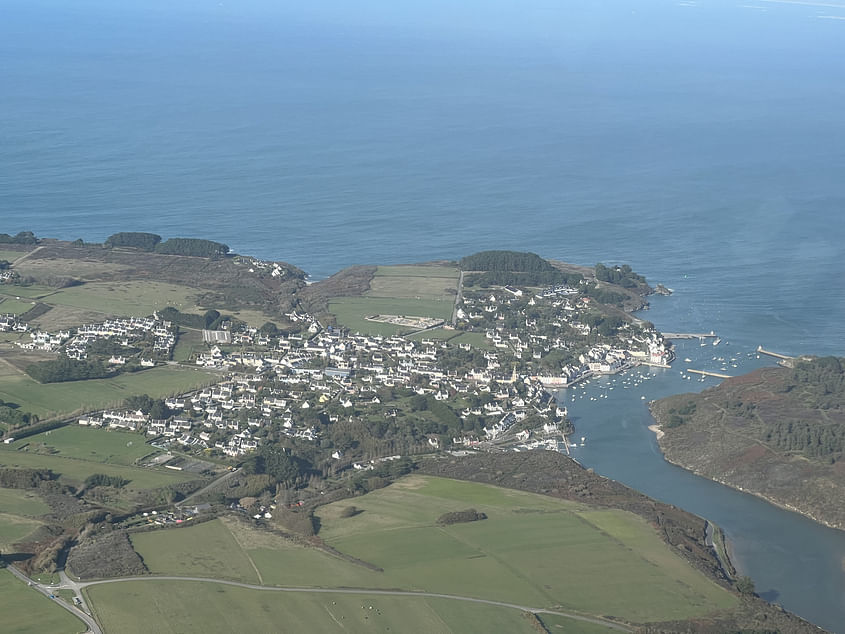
(700,142)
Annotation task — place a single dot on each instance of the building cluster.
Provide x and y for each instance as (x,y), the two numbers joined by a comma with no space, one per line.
(127,331)
(10,323)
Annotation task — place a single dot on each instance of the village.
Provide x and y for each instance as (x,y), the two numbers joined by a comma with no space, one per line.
(307,381)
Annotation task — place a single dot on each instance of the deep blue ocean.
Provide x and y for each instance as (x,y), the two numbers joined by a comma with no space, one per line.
(701,142)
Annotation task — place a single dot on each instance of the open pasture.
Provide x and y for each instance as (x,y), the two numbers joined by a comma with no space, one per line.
(135,298)
(532,549)
(196,607)
(93,445)
(79,268)
(10,255)
(57,399)
(9,304)
(14,528)
(353,311)
(33,291)
(20,502)
(74,471)
(415,282)
(26,611)
(207,549)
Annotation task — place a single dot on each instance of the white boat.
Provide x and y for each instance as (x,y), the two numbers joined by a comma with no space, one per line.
(717,341)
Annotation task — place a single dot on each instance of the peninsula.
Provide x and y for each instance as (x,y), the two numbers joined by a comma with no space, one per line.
(778,433)
(186,427)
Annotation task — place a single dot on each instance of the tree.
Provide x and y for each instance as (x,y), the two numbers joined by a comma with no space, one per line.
(745,585)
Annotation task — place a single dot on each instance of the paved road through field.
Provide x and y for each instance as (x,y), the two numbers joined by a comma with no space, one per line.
(77,586)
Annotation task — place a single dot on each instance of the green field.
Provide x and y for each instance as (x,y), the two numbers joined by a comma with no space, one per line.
(34,291)
(75,471)
(54,399)
(26,611)
(418,270)
(11,256)
(189,607)
(204,550)
(94,445)
(130,298)
(14,528)
(12,305)
(21,502)
(352,311)
(532,550)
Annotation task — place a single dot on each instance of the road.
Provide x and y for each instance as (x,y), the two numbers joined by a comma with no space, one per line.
(207,487)
(458,299)
(77,586)
(48,590)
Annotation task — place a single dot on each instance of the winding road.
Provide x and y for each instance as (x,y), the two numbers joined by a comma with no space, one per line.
(77,586)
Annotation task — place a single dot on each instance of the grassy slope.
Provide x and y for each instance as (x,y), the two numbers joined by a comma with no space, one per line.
(187,607)
(17,512)
(56,399)
(26,611)
(93,445)
(532,550)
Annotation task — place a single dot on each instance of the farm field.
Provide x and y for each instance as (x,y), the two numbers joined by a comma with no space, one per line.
(532,550)
(54,399)
(26,611)
(21,502)
(11,255)
(14,528)
(17,306)
(352,312)
(204,550)
(130,298)
(415,282)
(93,445)
(33,291)
(196,607)
(75,471)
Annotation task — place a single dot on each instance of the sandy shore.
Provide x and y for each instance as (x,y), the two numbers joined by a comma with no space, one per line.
(656,429)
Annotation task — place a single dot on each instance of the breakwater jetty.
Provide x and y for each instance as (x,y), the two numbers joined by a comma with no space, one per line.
(718,375)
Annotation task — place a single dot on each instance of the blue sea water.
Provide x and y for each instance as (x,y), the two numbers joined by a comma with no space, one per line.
(701,142)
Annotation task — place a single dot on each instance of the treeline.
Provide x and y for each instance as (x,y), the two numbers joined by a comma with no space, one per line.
(515,261)
(66,369)
(24,478)
(622,275)
(522,278)
(821,380)
(103,480)
(24,237)
(134,239)
(604,296)
(195,247)
(281,466)
(210,320)
(155,408)
(11,415)
(460,517)
(812,440)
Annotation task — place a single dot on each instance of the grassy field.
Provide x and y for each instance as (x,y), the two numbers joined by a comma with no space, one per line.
(21,502)
(204,550)
(131,298)
(10,256)
(16,306)
(352,311)
(33,291)
(26,611)
(17,512)
(93,445)
(75,471)
(532,550)
(189,607)
(56,399)
(14,528)
(418,270)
